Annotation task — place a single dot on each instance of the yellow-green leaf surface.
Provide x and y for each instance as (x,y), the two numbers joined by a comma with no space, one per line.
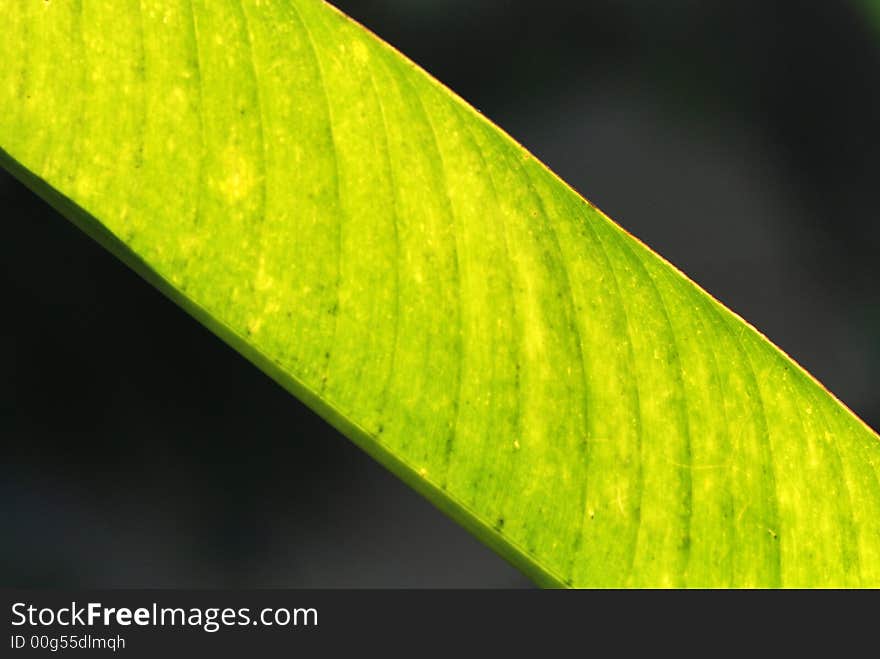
(430,288)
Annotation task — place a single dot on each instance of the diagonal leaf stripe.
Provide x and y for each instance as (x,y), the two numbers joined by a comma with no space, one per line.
(427,286)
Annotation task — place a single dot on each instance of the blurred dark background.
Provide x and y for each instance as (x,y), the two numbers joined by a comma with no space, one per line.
(739,139)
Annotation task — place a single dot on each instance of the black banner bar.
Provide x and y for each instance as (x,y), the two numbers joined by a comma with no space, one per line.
(266,623)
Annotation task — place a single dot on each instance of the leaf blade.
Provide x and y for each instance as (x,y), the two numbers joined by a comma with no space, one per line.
(436,293)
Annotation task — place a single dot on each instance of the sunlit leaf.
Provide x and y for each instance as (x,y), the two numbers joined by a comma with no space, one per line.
(432,290)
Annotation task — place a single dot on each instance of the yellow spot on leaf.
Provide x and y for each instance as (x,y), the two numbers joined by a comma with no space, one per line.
(241,176)
(360,52)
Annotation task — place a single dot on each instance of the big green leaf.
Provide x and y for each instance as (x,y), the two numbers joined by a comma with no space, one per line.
(400,264)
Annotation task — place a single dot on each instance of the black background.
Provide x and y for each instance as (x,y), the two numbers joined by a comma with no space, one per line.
(739,139)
